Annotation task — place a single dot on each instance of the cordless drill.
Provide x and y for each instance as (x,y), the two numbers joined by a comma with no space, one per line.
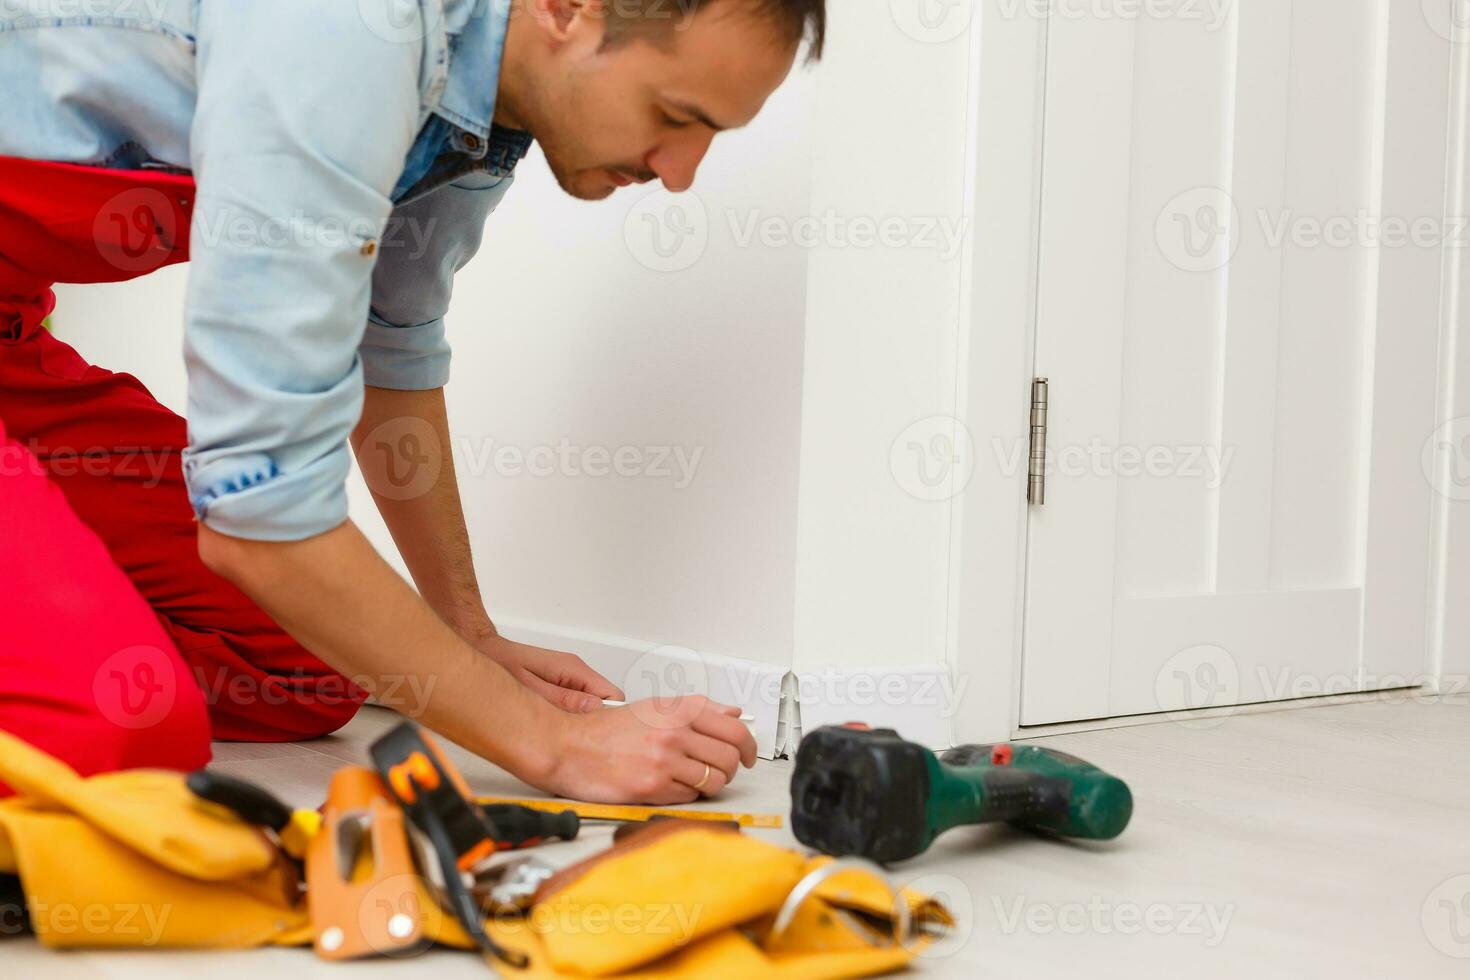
(870,793)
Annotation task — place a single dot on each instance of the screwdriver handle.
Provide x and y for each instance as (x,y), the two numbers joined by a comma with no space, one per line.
(520,826)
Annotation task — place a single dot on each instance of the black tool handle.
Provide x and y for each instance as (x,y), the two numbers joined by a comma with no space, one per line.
(520,826)
(248,801)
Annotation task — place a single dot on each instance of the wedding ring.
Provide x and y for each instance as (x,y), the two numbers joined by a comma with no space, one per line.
(705,779)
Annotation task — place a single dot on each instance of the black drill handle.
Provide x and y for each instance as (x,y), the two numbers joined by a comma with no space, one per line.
(1018,796)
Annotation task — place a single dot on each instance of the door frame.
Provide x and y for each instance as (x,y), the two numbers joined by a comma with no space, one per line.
(1449,622)
(995,365)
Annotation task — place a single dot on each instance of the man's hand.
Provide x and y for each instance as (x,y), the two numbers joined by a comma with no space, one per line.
(564,679)
(653,752)
(657,752)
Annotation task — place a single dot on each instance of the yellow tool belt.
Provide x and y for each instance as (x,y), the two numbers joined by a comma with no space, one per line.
(133,859)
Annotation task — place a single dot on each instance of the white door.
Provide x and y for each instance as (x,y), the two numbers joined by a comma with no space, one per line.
(1243,224)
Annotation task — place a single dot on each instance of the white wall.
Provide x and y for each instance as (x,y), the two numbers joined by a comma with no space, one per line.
(562,331)
(884,333)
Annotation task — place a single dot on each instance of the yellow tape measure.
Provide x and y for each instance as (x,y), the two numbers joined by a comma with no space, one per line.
(638,814)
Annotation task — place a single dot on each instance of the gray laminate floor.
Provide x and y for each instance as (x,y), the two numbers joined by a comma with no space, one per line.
(1319,842)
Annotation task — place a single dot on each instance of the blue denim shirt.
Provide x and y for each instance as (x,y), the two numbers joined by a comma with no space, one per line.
(346,159)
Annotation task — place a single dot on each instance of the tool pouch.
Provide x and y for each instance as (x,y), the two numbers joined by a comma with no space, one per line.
(133,859)
(687,901)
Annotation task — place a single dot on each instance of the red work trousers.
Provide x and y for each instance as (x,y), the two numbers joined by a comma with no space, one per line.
(118,648)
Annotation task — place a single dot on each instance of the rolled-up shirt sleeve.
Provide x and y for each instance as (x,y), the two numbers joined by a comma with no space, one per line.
(426,242)
(303,121)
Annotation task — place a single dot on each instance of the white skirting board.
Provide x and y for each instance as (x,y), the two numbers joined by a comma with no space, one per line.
(648,670)
(918,702)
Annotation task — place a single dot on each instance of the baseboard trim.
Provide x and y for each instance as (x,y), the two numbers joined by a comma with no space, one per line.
(648,670)
(918,702)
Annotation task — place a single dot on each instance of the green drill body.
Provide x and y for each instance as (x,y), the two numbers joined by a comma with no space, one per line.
(857,791)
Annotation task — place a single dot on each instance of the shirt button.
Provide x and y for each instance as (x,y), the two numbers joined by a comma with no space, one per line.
(369,247)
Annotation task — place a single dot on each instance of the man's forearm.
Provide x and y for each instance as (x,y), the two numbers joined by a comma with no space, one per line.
(340,600)
(404,450)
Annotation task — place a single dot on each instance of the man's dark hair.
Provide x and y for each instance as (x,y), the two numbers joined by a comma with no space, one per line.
(656,20)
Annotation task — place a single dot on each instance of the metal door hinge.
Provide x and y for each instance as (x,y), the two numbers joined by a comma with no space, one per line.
(1036,478)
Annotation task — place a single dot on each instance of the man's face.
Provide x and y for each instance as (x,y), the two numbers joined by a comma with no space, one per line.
(639,111)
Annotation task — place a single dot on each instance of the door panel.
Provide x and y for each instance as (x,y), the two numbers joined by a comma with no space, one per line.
(1242,377)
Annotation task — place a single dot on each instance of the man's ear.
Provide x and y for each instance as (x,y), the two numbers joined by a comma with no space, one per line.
(557,18)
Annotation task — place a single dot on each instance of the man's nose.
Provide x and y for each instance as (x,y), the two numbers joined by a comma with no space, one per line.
(677,161)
